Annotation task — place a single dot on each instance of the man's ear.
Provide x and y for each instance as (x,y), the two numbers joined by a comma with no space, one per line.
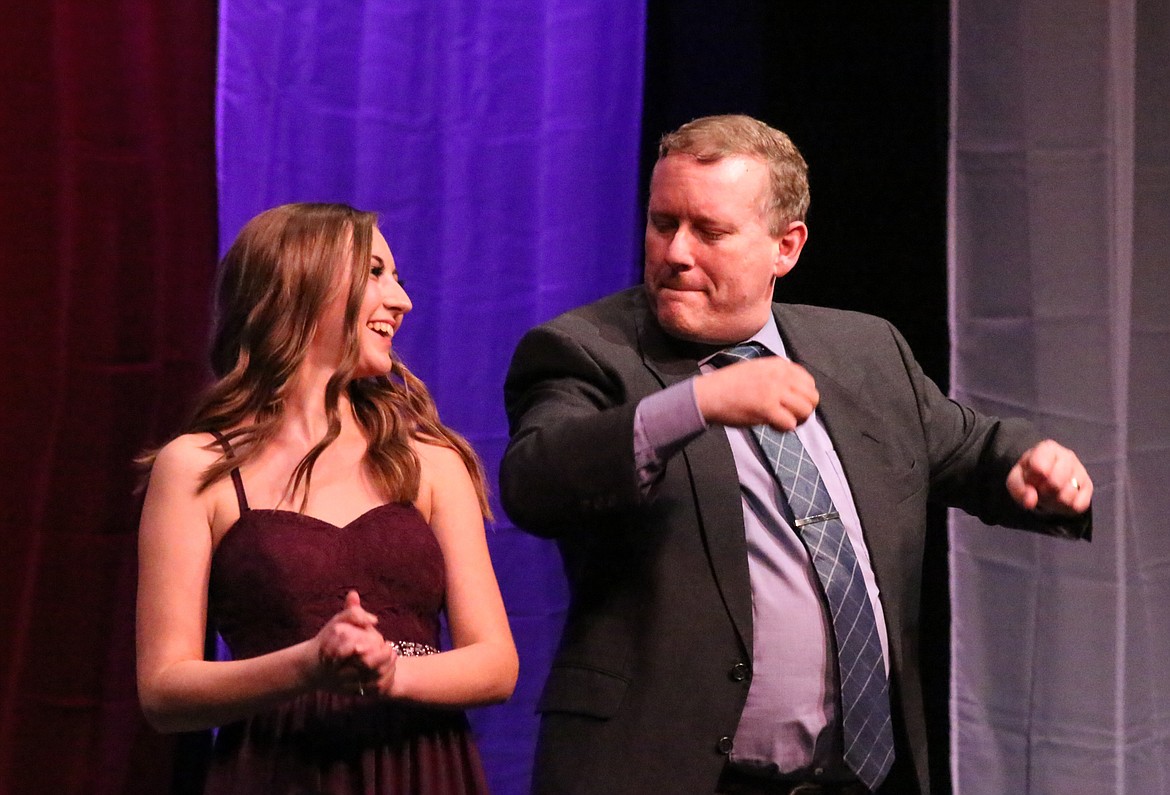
(788,247)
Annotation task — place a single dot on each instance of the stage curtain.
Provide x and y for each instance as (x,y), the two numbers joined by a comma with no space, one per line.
(108,210)
(1061,312)
(499,142)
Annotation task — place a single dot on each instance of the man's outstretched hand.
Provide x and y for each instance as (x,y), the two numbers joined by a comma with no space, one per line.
(1050,478)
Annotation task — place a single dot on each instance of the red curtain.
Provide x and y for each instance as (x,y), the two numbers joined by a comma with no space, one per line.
(107,206)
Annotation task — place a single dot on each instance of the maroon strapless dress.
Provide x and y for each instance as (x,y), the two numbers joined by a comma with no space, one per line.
(276,578)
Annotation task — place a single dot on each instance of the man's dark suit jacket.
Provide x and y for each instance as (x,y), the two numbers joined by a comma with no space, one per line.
(654,664)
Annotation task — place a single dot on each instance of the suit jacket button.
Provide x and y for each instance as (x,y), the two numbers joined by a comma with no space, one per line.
(724,745)
(738,672)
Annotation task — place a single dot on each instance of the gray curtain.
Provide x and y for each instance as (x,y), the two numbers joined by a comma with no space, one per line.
(1060,284)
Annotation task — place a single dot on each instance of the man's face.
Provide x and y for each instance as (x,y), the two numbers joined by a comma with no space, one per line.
(710,259)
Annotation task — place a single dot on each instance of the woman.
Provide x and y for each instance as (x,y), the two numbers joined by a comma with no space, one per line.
(319,515)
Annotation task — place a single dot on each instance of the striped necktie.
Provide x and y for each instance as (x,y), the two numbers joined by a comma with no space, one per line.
(865,700)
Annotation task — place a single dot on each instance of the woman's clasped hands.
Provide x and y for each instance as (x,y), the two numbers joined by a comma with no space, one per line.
(352,656)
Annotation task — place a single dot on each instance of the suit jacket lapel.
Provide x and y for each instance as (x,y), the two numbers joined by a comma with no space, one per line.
(708,461)
(847,413)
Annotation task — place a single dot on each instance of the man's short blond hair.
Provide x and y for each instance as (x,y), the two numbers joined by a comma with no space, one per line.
(713,138)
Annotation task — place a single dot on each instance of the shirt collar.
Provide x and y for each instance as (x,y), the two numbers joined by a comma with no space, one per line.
(768,336)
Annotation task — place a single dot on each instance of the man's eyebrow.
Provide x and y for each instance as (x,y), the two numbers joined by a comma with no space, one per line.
(700,219)
(666,214)
(710,222)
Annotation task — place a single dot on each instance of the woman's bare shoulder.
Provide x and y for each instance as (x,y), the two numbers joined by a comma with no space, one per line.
(186,456)
(431,454)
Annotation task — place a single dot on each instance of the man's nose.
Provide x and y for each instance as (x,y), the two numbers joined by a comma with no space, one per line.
(679,253)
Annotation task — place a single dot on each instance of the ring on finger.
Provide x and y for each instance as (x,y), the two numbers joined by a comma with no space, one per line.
(361,690)
(1075,484)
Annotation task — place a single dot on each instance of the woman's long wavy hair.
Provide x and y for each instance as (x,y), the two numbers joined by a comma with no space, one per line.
(274,283)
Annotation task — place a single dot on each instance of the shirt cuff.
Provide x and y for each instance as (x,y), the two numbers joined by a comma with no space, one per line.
(663,424)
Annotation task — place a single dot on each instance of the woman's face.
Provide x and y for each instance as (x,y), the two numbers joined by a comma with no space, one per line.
(383,307)
(384,303)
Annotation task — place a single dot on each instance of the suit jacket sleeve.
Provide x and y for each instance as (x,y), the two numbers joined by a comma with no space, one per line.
(570,460)
(971,455)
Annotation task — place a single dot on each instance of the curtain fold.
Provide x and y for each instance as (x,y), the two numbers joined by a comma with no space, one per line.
(108,208)
(1061,310)
(499,143)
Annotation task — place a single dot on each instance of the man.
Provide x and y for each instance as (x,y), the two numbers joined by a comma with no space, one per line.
(708,646)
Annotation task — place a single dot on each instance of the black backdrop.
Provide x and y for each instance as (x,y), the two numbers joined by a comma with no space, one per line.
(862,89)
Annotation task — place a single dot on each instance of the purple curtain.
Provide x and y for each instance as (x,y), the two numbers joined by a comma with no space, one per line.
(499,141)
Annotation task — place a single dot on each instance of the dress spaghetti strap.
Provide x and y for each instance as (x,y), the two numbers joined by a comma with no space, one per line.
(237,481)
